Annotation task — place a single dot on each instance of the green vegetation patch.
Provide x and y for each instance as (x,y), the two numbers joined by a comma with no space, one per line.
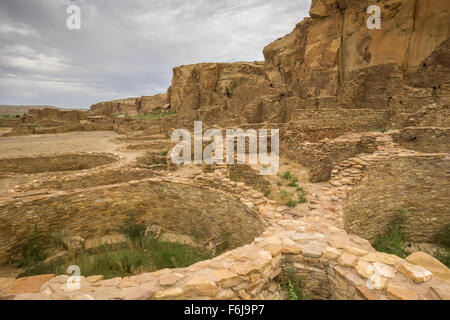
(293,284)
(393,241)
(154,115)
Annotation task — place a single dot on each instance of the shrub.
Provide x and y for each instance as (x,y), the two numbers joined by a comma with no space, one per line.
(291,203)
(165,153)
(302,198)
(174,255)
(442,238)
(293,182)
(154,115)
(134,232)
(124,260)
(443,255)
(285,194)
(293,284)
(33,249)
(393,241)
(287,175)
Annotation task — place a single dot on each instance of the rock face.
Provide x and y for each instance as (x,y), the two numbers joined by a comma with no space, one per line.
(54,114)
(199,90)
(131,106)
(333,54)
(330,60)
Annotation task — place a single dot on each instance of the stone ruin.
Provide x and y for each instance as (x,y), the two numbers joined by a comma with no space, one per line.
(365,111)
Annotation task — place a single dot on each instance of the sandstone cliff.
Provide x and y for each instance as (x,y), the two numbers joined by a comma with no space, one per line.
(331,60)
(131,106)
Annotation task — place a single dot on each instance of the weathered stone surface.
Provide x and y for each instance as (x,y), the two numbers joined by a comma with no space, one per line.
(442,291)
(170,279)
(168,293)
(439,270)
(347,260)
(94,279)
(5,283)
(29,284)
(382,257)
(331,253)
(417,273)
(311,251)
(365,269)
(202,286)
(367,293)
(384,270)
(399,292)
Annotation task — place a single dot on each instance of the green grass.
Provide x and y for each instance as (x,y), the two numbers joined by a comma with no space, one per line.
(393,241)
(154,115)
(164,152)
(443,255)
(442,238)
(116,115)
(382,130)
(124,260)
(33,249)
(10,115)
(293,182)
(287,175)
(291,203)
(139,254)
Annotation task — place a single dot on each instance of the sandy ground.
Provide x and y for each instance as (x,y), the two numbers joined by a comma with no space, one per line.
(96,141)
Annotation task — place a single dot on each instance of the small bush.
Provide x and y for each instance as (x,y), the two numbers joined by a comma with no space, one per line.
(134,232)
(291,203)
(442,238)
(443,255)
(293,284)
(124,260)
(293,182)
(302,198)
(285,194)
(165,153)
(154,115)
(393,241)
(174,255)
(287,175)
(33,249)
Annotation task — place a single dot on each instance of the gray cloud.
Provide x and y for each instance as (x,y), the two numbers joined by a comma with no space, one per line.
(127,48)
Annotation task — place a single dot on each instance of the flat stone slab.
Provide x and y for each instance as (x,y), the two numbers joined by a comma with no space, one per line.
(29,284)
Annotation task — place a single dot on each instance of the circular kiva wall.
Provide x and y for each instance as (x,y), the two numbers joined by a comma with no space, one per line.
(64,162)
(412,185)
(176,207)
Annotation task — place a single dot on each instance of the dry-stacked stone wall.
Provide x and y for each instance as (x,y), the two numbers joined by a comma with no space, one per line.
(413,185)
(320,157)
(424,139)
(62,162)
(178,207)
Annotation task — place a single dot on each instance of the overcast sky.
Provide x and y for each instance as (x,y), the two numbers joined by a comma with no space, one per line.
(127,48)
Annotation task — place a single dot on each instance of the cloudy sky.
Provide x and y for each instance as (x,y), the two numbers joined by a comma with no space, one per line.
(127,48)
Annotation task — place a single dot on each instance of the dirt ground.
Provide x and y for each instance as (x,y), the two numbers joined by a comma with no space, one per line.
(96,141)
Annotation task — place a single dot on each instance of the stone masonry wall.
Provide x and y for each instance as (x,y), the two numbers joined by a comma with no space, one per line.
(176,207)
(416,184)
(63,162)
(424,139)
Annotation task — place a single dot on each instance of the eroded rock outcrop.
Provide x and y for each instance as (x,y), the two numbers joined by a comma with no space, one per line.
(132,106)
